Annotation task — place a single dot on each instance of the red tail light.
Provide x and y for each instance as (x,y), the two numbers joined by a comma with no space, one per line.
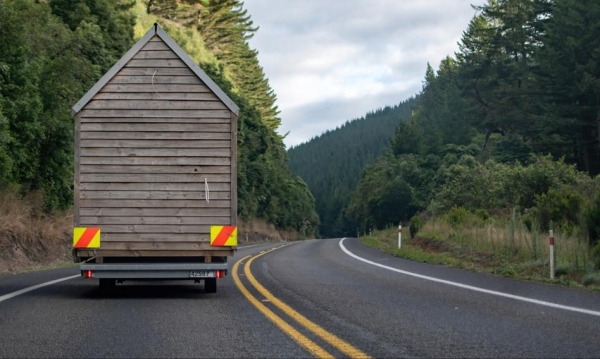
(87,274)
(220,274)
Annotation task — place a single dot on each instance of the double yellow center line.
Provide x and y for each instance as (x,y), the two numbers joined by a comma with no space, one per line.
(301,339)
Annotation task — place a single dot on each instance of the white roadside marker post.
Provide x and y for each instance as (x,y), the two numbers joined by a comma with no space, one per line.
(551,242)
(399,236)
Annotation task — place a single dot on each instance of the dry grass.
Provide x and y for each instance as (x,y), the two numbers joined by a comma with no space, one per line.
(29,237)
(514,242)
(505,248)
(258,230)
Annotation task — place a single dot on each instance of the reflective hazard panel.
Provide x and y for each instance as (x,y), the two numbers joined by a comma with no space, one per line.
(222,236)
(86,237)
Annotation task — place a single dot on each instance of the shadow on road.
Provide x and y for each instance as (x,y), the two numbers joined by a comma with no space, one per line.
(128,290)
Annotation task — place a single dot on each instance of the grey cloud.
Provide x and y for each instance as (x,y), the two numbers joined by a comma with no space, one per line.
(316,118)
(363,41)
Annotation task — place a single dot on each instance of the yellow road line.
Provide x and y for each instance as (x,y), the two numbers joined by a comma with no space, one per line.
(306,343)
(330,338)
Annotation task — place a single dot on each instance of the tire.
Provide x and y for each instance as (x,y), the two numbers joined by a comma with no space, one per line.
(210,285)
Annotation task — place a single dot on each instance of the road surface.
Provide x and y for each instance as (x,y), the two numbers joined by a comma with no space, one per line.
(314,298)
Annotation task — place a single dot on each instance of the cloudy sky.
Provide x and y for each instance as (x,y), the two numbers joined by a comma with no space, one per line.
(333,61)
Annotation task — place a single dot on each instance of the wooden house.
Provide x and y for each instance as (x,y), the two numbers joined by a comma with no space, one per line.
(155,155)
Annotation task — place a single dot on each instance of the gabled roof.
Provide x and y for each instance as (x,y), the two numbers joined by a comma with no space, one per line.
(156,30)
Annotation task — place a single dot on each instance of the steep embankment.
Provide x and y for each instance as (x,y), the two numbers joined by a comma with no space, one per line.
(54,51)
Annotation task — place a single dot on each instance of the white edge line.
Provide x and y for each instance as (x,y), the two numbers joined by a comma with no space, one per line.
(476,289)
(29,289)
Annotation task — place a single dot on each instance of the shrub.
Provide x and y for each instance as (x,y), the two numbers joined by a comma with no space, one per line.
(456,216)
(596,256)
(482,214)
(559,205)
(562,269)
(415,226)
(592,218)
(591,278)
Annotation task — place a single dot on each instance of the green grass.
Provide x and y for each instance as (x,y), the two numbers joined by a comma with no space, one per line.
(454,251)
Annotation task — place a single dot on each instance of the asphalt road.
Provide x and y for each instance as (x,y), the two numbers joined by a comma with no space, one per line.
(374,310)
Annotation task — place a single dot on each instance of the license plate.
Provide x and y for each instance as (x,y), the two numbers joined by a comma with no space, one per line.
(202,274)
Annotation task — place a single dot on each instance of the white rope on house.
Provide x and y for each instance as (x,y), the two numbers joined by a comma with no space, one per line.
(154,88)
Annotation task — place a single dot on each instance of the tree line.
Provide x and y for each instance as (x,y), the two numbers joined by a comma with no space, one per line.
(54,51)
(510,123)
(332,163)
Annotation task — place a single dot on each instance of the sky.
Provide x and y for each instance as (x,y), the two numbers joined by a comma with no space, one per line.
(330,61)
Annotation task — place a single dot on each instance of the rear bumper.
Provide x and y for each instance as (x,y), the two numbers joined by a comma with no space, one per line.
(149,270)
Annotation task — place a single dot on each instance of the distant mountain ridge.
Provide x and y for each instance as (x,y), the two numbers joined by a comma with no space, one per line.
(331,164)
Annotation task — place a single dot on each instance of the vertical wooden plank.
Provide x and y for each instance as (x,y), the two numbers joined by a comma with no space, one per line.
(76,189)
(233,169)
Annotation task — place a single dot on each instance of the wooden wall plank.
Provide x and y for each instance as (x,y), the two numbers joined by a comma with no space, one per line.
(172,96)
(76,177)
(234,208)
(153,228)
(214,195)
(155,212)
(211,221)
(149,120)
(149,178)
(157,106)
(153,113)
(158,127)
(163,71)
(158,237)
(157,187)
(156,79)
(149,246)
(157,88)
(156,45)
(156,63)
(155,54)
(129,135)
(151,203)
(155,143)
(101,168)
(157,161)
(157,152)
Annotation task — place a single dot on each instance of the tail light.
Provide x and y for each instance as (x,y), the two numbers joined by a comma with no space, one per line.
(87,274)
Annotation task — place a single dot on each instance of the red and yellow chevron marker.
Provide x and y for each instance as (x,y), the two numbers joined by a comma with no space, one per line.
(221,236)
(86,237)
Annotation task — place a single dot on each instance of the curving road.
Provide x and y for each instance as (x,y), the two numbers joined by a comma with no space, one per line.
(314,298)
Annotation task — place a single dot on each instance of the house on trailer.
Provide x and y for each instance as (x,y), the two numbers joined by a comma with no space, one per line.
(155,154)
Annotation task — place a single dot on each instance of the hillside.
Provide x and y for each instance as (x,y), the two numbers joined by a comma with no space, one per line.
(54,51)
(331,164)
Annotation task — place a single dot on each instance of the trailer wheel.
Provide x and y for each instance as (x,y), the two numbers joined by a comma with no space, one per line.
(107,284)
(210,285)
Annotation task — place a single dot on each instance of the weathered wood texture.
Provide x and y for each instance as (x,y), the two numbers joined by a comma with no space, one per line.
(147,145)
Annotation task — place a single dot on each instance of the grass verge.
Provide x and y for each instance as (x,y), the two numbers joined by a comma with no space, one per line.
(460,255)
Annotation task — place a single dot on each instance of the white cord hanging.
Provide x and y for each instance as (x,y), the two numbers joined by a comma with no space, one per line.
(154,88)
(206,190)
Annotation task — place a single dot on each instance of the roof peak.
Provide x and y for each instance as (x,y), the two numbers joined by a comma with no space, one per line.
(156,30)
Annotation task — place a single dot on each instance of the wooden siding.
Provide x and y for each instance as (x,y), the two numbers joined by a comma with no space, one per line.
(145,145)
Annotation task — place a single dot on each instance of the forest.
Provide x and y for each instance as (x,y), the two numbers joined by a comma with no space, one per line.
(512,121)
(501,145)
(331,164)
(53,51)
